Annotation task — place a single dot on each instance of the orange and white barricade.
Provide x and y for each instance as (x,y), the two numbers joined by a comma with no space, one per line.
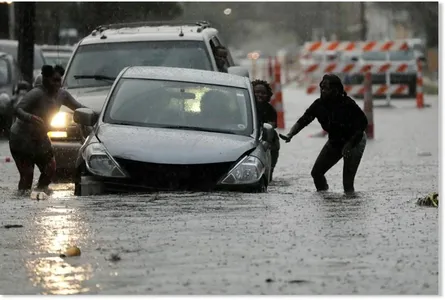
(277,98)
(358,68)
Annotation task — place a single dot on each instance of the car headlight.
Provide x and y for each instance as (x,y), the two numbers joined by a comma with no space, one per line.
(248,170)
(100,162)
(62,120)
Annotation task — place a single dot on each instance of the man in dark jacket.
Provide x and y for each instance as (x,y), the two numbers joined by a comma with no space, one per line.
(267,114)
(29,142)
(345,123)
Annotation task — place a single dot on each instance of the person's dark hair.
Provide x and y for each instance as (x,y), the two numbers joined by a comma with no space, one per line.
(47,71)
(265,84)
(335,82)
(59,69)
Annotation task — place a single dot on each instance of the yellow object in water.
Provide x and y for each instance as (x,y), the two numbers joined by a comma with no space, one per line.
(72,251)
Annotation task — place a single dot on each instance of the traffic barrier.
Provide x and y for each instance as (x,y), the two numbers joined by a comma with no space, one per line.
(356,46)
(387,67)
(419,86)
(354,68)
(368,106)
(359,90)
(277,98)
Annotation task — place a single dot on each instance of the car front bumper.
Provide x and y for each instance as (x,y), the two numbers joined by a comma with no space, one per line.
(88,185)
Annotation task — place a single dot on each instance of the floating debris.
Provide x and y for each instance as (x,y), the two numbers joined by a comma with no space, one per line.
(13,226)
(38,196)
(298,281)
(114,257)
(72,251)
(430,200)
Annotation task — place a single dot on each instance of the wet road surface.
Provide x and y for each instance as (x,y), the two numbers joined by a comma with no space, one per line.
(291,240)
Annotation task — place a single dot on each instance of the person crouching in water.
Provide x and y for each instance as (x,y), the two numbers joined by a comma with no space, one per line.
(29,142)
(345,123)
(267,114)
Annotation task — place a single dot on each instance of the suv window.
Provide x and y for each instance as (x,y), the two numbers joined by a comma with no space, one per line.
(108,59)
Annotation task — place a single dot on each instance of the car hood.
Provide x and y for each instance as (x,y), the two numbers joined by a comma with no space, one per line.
(172,146)
(93,98)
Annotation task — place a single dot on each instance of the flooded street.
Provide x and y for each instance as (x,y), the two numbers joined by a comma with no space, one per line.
(291,240)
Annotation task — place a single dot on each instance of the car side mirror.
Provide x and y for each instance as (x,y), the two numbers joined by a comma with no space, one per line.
(354,58)
(85,116)
(22,86)
(240,71)
(268,133)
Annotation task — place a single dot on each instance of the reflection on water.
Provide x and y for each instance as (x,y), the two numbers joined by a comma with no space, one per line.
(56,229)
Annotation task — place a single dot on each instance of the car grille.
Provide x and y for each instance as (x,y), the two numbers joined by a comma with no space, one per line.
(170,176)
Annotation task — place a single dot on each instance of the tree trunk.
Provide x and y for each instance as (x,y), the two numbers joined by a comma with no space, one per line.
(26,12)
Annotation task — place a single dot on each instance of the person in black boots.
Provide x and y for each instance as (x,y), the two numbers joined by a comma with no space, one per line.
(267,114)
(345,123)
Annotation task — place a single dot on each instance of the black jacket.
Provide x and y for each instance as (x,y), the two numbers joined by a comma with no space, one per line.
(341,118)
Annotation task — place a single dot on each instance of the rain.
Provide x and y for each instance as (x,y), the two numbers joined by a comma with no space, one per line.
(276,237)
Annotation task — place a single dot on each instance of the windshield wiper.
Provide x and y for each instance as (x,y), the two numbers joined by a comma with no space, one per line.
(199,129)
(96,77)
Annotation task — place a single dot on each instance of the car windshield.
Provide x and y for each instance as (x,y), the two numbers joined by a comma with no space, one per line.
(393,55)
(4,72)
(12,50)
(108,59)
(182,105)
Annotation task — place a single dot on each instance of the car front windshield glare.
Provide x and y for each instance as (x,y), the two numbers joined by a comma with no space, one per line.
(393,55)
(108,59)
(157,103)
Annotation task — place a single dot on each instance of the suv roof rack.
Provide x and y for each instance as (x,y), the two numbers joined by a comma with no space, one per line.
(201,24)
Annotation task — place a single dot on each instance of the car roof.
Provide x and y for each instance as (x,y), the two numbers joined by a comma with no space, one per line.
(150,31)
(186,75)
(13,43)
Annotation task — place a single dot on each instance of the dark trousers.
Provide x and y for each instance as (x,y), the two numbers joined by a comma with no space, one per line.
(25,165)
(329,156)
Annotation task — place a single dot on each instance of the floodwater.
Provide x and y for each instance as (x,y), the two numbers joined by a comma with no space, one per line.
(291,240)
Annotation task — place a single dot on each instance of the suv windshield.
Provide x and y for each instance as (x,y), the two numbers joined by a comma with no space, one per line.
(182,105)
(108,59)
(393,55)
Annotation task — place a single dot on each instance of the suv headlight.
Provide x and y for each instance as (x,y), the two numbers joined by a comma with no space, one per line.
(248,170)
(99,161)
(59,123)
(62,120)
